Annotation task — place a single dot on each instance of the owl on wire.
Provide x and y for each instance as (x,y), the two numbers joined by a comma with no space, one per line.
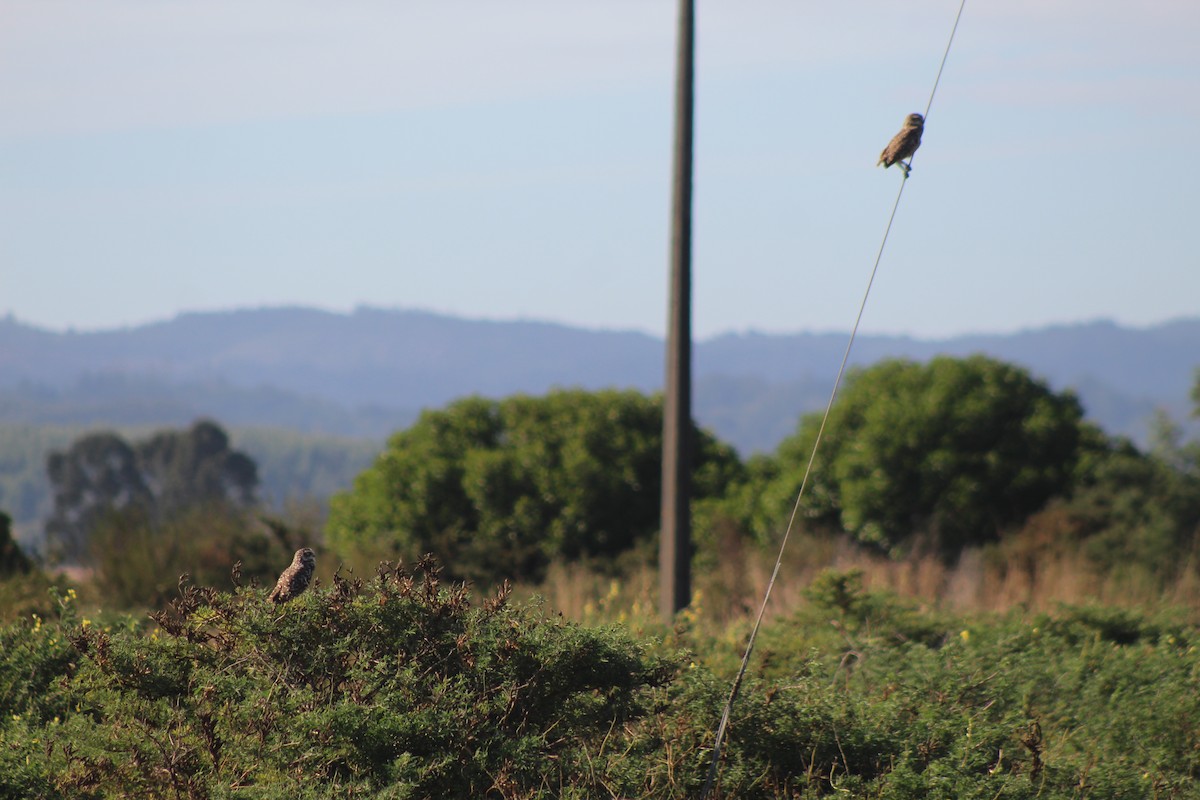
(296,577)
(904,144)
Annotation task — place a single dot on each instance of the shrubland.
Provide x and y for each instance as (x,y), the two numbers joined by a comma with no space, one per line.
(985,596)
(403,686)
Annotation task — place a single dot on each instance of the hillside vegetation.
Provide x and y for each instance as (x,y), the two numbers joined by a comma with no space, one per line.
(400,687)
(985,596)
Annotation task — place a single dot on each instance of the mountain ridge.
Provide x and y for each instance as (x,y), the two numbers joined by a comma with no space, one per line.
(370,371)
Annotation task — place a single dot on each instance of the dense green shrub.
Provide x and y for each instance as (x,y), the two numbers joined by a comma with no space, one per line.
(952,451)
(400,687)
(1136,509)
(1134,517)
(863,695)
(497,489)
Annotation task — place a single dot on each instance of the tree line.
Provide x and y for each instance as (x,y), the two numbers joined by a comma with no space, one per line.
(934,456)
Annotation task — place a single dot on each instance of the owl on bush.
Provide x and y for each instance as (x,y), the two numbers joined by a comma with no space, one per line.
(296,577)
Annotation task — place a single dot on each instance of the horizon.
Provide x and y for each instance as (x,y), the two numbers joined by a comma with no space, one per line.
(12,317)
(338,371)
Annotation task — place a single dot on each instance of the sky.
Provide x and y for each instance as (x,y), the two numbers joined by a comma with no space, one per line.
(512,161)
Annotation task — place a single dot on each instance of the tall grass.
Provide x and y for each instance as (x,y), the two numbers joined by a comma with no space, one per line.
(728,584)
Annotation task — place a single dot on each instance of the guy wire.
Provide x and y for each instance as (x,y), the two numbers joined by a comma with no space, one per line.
(714,767)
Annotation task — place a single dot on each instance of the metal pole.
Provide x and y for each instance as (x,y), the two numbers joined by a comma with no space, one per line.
(675,546)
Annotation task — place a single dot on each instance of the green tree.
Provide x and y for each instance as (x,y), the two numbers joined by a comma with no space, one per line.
(195,466)
(954,451)
(1135,510)
(96,475)
(171,472)
(497,488)
(12,560)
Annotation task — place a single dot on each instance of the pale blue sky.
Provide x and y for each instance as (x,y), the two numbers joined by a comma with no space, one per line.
(511,160)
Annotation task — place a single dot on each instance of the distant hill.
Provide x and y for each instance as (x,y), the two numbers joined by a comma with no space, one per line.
(369,372)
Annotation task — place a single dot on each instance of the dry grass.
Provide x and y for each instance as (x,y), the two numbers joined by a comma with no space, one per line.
(729,585)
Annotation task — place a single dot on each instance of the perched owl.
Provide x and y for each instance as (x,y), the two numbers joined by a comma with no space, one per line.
(903,144)
(295,578)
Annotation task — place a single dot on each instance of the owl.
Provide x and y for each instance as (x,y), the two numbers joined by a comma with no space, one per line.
(295,578)
(904,144)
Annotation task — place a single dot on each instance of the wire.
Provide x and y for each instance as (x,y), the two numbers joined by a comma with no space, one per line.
(945,55)
(737,683)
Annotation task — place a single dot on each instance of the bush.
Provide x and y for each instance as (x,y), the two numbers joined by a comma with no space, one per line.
(953,451)
(398,687)
(498,489)
(137,559)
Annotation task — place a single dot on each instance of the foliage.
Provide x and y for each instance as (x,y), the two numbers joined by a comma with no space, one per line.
(400,687)
(22,586)
(1132,510)
(161,476)
(22,595)
(12,559)
(894,701)
(396,688)
(136,560)
(954,450)
(293,467)
(497,489)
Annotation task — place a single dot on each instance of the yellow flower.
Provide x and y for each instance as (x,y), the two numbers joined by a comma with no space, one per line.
(71,594)
(86,622)
(965,636)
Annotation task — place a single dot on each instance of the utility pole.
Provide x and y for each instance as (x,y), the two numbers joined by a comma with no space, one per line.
(675,544)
